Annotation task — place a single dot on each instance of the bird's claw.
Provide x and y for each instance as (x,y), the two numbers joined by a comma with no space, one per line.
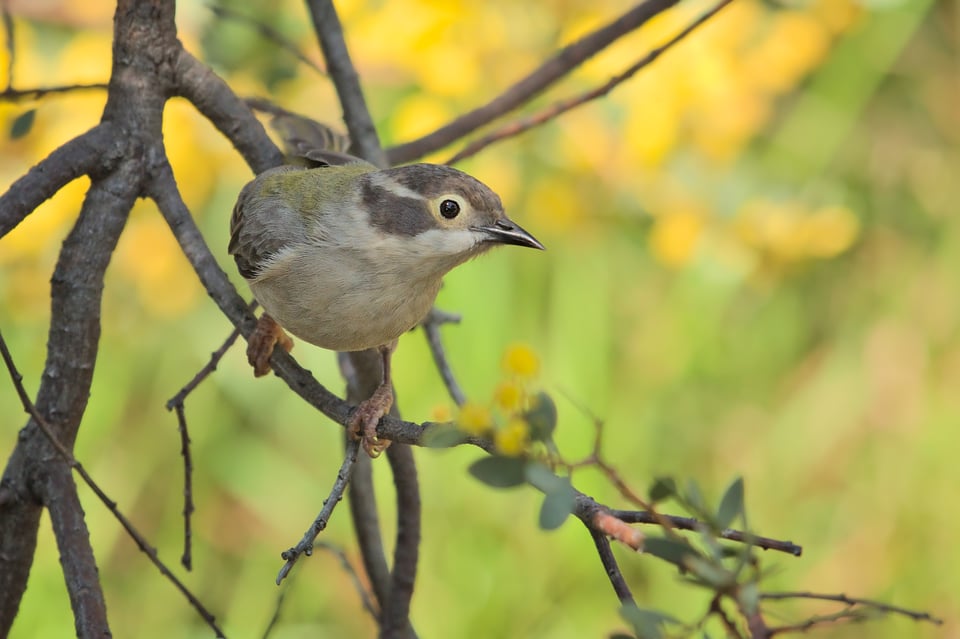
(262,341)
(363,425)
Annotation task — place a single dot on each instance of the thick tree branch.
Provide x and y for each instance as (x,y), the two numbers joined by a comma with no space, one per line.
(95,151)
(232,117)
(548,73)
(395,618)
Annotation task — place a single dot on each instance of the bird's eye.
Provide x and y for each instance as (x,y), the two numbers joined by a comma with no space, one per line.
(449,209)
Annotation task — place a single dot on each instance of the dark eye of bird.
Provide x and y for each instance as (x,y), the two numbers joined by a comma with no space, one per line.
(449,209)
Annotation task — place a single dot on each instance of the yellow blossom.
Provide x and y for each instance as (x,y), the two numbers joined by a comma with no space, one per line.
(474,419)
(511,440)
(520,360)
(509,396)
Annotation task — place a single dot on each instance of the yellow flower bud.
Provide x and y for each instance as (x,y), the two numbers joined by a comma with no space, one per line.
(520,360)
(511,440)
(474,419)
(509,396)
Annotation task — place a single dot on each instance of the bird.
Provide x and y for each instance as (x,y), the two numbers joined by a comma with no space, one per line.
(348,257)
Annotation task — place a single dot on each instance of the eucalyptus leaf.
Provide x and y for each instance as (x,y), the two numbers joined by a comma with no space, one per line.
(22,124)
(731,505)
(671,550)
(557,505)
(662,488)
(542,417)
(499,472)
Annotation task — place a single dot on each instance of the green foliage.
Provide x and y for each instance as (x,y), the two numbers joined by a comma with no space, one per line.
(22,124)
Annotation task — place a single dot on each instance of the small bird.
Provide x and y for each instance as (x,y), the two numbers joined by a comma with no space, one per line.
(349,257)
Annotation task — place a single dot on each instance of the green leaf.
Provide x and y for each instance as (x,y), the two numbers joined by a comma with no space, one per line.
(671,550)
(694,496)
(22,124)
(557,505)
(647,624)
(542,417)
(542,478)
(662,488)
(714,575)
(731,506)
(499,472)
(442,436)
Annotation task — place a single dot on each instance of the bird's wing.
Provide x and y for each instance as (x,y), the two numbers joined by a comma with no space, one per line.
(262,225)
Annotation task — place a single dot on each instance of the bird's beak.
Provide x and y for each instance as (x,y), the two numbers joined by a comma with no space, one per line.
(505,231)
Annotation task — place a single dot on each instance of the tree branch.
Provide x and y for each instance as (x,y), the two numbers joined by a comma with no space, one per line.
(363,134)
(232,117)
(555,110)
(548,73)
(95,151)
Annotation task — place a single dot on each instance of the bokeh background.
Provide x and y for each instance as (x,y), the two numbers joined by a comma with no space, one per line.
(753,267)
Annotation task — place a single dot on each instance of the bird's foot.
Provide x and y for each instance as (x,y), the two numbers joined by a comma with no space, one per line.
(363,425)
(262,341)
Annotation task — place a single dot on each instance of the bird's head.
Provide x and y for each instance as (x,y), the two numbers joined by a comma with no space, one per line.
(438,212)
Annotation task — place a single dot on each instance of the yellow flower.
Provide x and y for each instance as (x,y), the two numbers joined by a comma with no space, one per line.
(474,419)
(440,413)
(511,440)
(520,360)
(509,396)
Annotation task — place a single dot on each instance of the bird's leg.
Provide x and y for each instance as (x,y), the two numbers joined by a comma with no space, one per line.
(262,341)
(368,413)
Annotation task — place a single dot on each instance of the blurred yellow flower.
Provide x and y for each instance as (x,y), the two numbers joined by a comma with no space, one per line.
(474,419)
(522,361)
(511,440)
(674,237)
(509,396)
(831,230)
(441,413)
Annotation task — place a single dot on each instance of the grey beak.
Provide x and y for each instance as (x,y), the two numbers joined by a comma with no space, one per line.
(505,231)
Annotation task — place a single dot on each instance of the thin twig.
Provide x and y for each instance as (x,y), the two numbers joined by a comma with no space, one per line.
(854,601)
(275,617)
(691,523)
(267,32)
(548,73)
(553,111)
(71,461)
(209,367)
(365,598)
(431,328)
(186,559)
(611,567)
(17,95)
(305,546)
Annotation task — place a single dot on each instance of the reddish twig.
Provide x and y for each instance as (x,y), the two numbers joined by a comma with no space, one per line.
(553,111)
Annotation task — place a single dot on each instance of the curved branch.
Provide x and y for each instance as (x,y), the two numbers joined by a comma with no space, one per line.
(558,108)
(548,73)
(95,151)
(197,83)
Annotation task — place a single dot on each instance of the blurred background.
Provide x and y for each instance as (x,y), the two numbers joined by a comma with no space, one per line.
(753,266)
